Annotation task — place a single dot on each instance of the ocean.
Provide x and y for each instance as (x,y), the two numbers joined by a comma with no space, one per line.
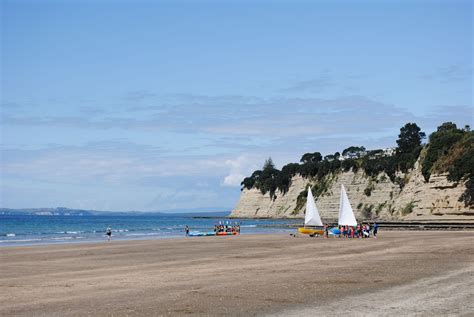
(34,230)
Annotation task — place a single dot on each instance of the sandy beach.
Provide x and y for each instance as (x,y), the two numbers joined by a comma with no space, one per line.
(401,272)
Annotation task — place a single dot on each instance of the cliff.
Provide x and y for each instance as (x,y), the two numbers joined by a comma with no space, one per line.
(414,182)
(371,198)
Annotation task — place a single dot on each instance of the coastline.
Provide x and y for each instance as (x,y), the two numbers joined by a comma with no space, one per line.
(235,275)
(283,228)
(41,230)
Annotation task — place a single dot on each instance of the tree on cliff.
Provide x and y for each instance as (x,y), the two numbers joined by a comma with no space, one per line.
(311,157)
(268,165)
(354,151)
(440,143)
(449,150)
(452,150)
(410,138)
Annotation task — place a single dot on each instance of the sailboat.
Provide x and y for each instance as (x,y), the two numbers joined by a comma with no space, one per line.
(346,215)
(311,217)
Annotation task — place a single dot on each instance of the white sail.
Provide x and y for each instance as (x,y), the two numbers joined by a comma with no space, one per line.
(311,217)
(346,215)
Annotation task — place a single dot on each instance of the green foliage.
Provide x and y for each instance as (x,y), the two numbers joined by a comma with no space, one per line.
(409,138)
(375,153)
(311,157)
(354,151)
(458,162)
(249,182)
(452,150)
(408,209)
(446,127)
(401,181)
(295,212)
(329,157)
(370,187)
(318,190)
(301,199)
(359,206)
(268,165)
(468,195)
(390,208)
(367,211)
(267,180)
(440,143)
(463,168)
(321,187)
(380,207)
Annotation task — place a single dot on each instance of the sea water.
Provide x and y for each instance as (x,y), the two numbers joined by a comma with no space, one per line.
(33,229)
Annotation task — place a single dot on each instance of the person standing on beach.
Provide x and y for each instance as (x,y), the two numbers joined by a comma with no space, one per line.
(108,233)
(186,229)
(376,229)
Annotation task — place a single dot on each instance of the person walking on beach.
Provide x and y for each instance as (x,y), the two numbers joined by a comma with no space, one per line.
(326,230)
(108,233)
(376,229)
(186,229)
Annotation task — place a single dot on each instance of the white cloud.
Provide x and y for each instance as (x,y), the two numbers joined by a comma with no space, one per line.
(233,179)
(239,168)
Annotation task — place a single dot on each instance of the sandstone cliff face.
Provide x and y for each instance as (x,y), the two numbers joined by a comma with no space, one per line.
(371,198)
(436,199)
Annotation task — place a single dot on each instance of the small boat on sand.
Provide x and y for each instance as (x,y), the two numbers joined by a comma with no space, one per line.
(211,233)
(346,214)
(201,234)
(311,218)
(227,233)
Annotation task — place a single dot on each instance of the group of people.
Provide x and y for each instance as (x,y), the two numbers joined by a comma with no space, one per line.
(227,227)
(221,227)
(359,231)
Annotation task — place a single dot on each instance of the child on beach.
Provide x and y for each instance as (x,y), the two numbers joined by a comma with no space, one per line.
(186,230)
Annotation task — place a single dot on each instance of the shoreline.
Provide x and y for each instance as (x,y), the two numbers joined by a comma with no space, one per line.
(72,241)
(383,226)
(33,230)
(237,275)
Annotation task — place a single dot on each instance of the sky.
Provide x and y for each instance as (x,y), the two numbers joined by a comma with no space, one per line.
(167,105)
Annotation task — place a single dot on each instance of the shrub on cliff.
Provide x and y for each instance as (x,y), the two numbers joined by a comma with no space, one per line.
(450,150)
(463,167)
(440,142)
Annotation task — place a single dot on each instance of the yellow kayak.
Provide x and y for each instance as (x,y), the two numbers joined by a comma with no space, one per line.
(310,231)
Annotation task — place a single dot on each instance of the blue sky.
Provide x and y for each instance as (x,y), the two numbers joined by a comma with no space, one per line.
(158,105)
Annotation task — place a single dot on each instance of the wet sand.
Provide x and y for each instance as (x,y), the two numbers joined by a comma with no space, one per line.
(423,272)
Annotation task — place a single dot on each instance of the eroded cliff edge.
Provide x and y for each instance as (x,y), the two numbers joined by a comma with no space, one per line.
(437,199)
(415,182)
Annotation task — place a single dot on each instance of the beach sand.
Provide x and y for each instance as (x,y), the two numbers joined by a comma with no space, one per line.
(404,272)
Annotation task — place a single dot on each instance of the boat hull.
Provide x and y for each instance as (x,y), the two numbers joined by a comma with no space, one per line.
(201,234)
(311,231)
(207,234)
(226,233)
